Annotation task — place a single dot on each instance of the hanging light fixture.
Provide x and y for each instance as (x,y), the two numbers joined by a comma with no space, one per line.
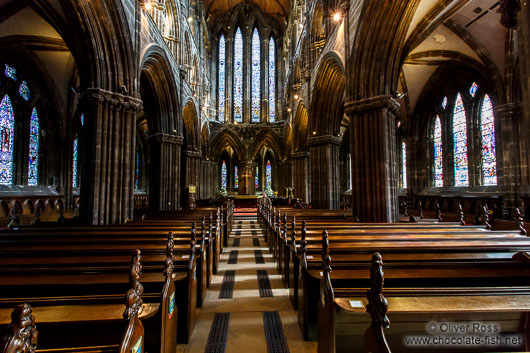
(147,5)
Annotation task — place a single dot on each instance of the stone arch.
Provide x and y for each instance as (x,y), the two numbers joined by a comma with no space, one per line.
(190,117)
(227,137)
(266,138)
(328,97)
(300,128)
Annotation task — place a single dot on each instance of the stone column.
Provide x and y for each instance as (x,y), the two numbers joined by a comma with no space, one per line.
(193,165)
(509,167)
(302,183)
(285,170)
(107,179)
(325,180)
(374,159)
(164,191)
(247,173)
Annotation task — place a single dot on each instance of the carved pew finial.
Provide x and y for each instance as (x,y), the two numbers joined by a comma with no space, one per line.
(22,333)
(169,255)
(438,212)
(519,221)
(377,307)
(303,245)
(134,295)
(293,234)
(326,258)
(460,214)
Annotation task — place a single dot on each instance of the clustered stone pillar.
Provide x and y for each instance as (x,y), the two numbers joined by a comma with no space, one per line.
(164,192)
(325,179)
(374,158)
(193,166)
(301,183)
(107,178)
(208,180)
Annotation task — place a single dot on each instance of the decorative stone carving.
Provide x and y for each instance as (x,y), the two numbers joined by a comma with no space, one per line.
(508,10)
(21,333)
(166,138)
(383,102)
(118,101)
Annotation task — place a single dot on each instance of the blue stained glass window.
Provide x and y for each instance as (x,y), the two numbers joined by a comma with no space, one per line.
(238,76)
(33,163)
(444,103)
(222,81)
(460,143)
(487,130)
(272,81)
(256,77)
(404,165)
(236,178)
(223,175)
(24,91)
(137,183)
(11,72)
(82,119)
(438,154)
(7,138)
(256,178)
(75,180)
(268,175)
(473,89)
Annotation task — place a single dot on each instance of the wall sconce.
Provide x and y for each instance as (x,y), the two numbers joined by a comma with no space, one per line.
(147,5)
(337,16)
(296,96)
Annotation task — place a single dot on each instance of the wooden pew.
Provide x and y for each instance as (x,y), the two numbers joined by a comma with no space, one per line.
(75,273)
(87,328)
(481,314)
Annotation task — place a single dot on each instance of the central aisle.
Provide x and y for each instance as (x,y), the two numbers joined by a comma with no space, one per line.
(247,318)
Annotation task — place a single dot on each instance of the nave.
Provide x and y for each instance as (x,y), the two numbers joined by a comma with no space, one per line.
(247,308)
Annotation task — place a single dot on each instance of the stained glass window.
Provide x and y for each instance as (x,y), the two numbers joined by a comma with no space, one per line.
(7,134)
(272,81)
(438,154)
(11,72)
(33,163)
(238,76)
(268,175)
(460,143)
(444,103)
(256,178)
(222,83)
(24,91)
(473,89)
(137,183)
(223,175)
(404,165)
(75,180)
(256,77)
(236,178)
(82,119)
(487,130)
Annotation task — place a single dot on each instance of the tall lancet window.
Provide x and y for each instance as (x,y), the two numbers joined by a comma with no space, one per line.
(33,163)
(7,139)
(223,175)
(460,143)
(256,178)
(75,171)
(272,80)
(238,76)
(404,165)
(256,77)
(268,175)
(487,131)
(438,154)
(222,80)
(236,178)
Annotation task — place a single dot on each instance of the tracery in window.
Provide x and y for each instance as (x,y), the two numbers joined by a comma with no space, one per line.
(7,138)
(438,154)
(33,160)
(236,178)
(222,81)
(487,131)
(404,165)
(223,175)
(473,89)
(272,81)
(444,103)
(256,77)
(460,143)
(256,179)
(238,76)
(24,91)
(11,72)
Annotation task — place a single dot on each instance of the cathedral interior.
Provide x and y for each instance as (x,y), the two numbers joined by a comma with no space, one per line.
(113,108)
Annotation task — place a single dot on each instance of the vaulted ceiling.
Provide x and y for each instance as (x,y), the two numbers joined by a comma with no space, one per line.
(279,9)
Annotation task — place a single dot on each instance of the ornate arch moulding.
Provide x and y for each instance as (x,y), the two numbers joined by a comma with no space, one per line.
(99,96)
(382,102)
(166,138)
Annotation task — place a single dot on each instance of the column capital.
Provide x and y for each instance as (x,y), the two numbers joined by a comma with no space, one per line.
(300,155)
(118,101)
(507,108)
(382,102)
(166,138)
(324,140)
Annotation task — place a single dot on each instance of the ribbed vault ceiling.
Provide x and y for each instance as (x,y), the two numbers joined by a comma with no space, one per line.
(279,9)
